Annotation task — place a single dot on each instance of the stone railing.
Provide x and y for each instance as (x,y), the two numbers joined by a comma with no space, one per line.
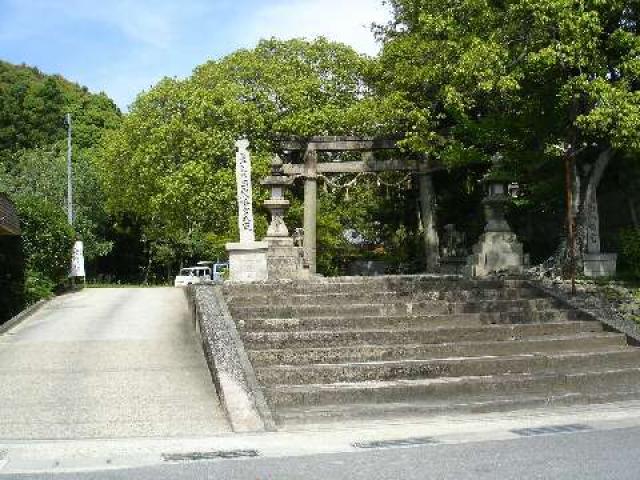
(228,362)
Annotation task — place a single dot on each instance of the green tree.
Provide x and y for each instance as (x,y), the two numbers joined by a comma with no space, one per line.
(47,240)
(535,81)
(33,105)
(171,163)
(33,145)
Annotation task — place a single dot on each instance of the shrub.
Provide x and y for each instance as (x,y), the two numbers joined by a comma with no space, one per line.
(630,251)
(37,287)
(47,240)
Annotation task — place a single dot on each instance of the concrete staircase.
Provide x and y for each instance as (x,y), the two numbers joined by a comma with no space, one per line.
(356,347)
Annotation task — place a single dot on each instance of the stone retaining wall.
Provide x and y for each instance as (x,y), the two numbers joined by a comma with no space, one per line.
(591,304)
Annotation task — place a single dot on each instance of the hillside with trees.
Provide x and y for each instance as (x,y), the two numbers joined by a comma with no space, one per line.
(33,172)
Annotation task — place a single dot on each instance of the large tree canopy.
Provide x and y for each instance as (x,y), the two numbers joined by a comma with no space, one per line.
(33,106)
(494,71)
(531,80)
(33,171)
(33,144)
(171,164)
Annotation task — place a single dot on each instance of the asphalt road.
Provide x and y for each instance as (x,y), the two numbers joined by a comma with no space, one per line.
(597,455)
(107,363)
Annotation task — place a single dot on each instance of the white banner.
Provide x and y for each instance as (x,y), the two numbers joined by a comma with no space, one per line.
(77,260)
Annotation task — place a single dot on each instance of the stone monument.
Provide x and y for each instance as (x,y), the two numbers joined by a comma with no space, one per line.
(596,263)
(285,260)
(600,264)
(498,249)
(247,259)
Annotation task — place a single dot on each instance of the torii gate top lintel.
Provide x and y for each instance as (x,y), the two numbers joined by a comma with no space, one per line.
(309,147)
(339,144)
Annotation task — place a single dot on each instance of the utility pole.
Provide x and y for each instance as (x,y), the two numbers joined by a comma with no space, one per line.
(69,171)
(77,260)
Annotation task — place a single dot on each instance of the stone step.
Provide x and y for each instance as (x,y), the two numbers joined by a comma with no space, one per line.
(468,404)
(324,338)
(364,353)
(392,308)
(532,363)
(452,388)
(405,284)
(401,322)
(332,298)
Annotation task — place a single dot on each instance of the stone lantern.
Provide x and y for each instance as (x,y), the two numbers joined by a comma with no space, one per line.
(495,204)
(277,204)
(498,249)
(284,259)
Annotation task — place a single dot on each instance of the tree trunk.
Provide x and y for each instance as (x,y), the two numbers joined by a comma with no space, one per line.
(587,214)
(584,208)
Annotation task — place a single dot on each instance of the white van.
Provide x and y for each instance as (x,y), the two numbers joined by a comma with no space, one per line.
(205,272)
(193,276)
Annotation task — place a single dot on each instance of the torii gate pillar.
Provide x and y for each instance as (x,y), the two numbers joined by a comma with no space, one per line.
(428,216)
(310,208)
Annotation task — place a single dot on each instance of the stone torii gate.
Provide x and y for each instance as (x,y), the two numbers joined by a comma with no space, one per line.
(311,168)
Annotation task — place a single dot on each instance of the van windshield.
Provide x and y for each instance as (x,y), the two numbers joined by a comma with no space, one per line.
(185,272)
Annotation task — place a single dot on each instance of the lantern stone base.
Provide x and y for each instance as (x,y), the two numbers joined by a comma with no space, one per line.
(285,261)
(496,252)
(600,265)
(248,261)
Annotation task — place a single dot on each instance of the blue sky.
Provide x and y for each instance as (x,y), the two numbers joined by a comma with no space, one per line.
(122,47)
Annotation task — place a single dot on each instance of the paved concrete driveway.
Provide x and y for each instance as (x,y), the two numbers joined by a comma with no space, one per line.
(107,363)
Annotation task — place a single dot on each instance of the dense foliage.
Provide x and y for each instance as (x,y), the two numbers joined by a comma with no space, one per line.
(33,172)
(510,89)
(47,242)
(34,106)
(630,251)
(33,145)
(521,75)
(12,277)
(531,82)
(171,164)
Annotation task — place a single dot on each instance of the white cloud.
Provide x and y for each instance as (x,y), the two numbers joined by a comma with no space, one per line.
(156,23)
(347,21)
(136,42)
(149,23)
(151,26)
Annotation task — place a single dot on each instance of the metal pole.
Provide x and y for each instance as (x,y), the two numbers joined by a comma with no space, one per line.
(69,172)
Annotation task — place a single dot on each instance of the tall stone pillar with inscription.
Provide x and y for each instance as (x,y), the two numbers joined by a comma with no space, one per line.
(248,258)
